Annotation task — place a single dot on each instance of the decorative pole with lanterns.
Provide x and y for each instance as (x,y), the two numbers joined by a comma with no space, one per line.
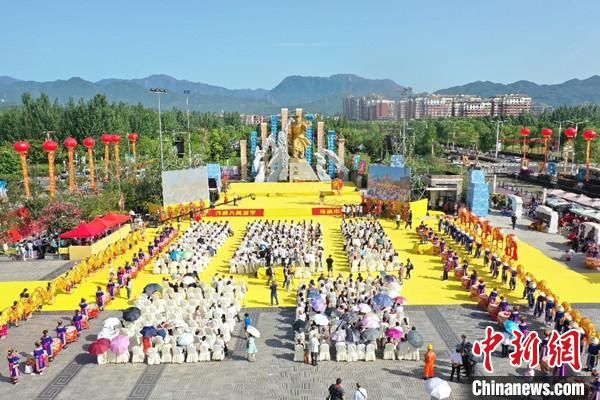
(133,138)
(116,139)
(525,132)
(589,136)
(89,143)
(22,147)
(570,133)
(70,143)
(50,147)
(546,134)
(106,139)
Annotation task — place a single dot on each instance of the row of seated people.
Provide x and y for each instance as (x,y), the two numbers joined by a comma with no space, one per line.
(350,352)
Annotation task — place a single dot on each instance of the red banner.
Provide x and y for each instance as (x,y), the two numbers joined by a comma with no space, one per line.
(242,212)
(333,211)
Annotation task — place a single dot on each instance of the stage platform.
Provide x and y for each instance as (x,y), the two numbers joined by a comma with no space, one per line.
(278,200)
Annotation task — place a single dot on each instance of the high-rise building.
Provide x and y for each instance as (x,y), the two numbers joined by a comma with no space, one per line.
(380,109)
(511,105)
(438,106)
(352,108)
(376,108)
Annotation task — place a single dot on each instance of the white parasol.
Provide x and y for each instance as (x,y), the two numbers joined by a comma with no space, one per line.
(253,331)
(438,388)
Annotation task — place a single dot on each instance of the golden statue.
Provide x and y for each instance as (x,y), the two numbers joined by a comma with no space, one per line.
(299,140)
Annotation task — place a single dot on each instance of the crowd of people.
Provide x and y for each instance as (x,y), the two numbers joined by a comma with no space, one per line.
(295,246)
(182,321)
(368,247)
(47,348)
(541,309)
(194,250)
(357,317)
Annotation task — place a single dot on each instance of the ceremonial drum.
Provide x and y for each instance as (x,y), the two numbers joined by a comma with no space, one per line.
(56,346)
(592,263)
(85,323)
(492,310)
(464,281)
(30,363)
(436,250)
(502,316)
(459,272)
(93,311)
(72,334)
(475,290)
(484,301)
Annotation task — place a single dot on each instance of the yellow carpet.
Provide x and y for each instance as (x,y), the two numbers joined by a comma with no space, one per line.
(87,290)
(294,202)
(11,290)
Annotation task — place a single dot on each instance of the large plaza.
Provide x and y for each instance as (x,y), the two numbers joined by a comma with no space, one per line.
(442,311)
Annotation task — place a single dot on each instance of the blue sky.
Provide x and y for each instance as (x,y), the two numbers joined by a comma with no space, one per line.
(424,44)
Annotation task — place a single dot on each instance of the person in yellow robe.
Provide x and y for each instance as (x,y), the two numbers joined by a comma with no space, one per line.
(429,368)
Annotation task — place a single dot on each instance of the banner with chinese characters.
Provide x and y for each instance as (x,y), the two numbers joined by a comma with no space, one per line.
(331,211)
(241,212)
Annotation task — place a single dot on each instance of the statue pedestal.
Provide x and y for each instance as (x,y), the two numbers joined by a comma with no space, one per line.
(301,171)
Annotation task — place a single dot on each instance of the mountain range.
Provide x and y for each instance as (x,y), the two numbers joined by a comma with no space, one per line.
(314,94)
(569,93)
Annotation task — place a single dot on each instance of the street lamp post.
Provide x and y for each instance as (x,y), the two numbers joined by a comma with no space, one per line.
(158,92)
(187,103)
(498,137)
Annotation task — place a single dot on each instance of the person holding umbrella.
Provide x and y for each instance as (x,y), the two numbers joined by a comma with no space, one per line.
(251,333)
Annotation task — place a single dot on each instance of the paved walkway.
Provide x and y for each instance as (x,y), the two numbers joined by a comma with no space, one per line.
(273,376)
(34,270)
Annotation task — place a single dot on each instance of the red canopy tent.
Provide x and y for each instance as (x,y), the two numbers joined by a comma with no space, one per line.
(96,227)
(99,223)
(116,219)
(83,231)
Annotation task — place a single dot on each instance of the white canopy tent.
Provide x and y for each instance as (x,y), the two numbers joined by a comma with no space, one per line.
(549,216)
(516,203)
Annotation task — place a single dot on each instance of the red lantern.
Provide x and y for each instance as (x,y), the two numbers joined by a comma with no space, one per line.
(133,137)
(21,147)
(546,133)
(589,135)
(525,132)
(106,138)
(115,138)
(570,133)
(89,142)
(50,146)
(70,143)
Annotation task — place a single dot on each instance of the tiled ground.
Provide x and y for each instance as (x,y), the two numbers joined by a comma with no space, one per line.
(33,270)
(273,376)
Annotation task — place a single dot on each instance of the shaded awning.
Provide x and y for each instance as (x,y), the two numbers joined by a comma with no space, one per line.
(83,231)
(116,219)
